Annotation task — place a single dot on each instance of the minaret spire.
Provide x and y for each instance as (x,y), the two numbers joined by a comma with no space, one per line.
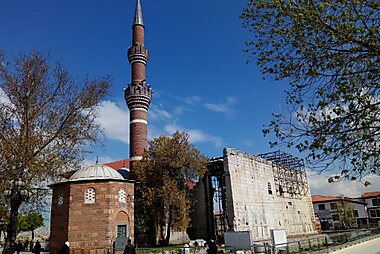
(138,20)
(138,94)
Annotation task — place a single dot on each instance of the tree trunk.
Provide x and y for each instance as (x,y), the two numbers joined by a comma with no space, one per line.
(157,232)
(10,241)
(168,228)
(32,235)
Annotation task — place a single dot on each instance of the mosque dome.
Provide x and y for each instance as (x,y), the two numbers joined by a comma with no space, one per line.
(96,172)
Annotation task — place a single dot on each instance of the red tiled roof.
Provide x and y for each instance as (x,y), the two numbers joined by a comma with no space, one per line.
(371,194)
(319,198)
(118,164)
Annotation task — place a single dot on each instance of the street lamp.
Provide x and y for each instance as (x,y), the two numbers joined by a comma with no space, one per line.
(16,194)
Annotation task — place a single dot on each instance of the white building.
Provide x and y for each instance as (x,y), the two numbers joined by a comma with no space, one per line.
(330,209)
(373,205)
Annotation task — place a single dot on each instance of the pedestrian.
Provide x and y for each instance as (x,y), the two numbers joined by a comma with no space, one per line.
(26,245)
(212,248)
(129,248)
(19,247)
(65,248)
(37,248)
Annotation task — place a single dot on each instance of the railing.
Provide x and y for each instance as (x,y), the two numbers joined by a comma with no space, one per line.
(323,244)
(318,244)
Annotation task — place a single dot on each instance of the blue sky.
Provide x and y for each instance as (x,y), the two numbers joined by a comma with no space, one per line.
(197,69)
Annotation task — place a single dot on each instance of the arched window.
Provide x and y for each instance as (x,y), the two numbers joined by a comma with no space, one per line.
(89,196)
(60,198)
(269,189)
(122,198)
(129,199)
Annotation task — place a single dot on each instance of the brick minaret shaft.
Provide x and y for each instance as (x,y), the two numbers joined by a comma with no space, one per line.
(138,94)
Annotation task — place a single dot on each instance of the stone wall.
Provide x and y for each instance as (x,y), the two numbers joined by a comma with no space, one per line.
(251,207)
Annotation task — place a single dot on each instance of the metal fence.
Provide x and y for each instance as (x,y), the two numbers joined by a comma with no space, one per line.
(319,244)
(322,244)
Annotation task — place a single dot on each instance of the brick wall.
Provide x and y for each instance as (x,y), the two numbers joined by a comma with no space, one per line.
(59,217)
(92,227)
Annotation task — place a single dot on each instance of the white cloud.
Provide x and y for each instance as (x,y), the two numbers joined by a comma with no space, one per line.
(320,186)
(189,103)
(158,114)
(4,98)
(114,120)
(154,131)
(223,107)
(196,135)
(193,100)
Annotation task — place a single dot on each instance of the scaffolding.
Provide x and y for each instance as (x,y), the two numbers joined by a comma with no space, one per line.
(217,189)
(289,174)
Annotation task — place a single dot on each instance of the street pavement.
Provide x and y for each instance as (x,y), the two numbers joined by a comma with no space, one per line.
(369,247)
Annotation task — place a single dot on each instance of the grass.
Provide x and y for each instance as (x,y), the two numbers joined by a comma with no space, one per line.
(158,249)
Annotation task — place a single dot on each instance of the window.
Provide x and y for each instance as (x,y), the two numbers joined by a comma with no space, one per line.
(321,207)
(280,190)
(375,202)
(372,213)
(335,217)
(122,230)
(355,213)
(377,213)
(122,198)
(333,206)
(60,199)
(269,189)
(89,196)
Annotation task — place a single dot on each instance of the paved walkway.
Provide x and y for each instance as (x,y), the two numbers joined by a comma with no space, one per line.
(369,247)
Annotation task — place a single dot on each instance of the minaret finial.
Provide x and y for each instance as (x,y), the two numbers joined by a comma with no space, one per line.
(138,14)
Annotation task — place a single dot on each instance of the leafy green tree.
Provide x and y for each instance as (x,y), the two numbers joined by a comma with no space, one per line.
(345,212)
(46,121)
(330,53)
(30,222)
(164,172)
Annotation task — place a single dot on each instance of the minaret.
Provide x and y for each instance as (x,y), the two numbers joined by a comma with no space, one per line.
(138,94)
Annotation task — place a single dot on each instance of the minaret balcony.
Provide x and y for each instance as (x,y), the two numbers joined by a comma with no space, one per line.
(138,95)
(138,53)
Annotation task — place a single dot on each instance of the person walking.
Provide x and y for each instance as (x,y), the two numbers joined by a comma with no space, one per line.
(212,248)
(37,248)
(26,245)
(129,248)
(65,248)
(19,247)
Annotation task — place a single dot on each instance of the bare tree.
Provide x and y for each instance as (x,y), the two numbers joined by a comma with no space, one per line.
(46,120)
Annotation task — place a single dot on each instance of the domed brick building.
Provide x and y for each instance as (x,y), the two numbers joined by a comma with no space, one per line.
(96,205)
(91,209)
